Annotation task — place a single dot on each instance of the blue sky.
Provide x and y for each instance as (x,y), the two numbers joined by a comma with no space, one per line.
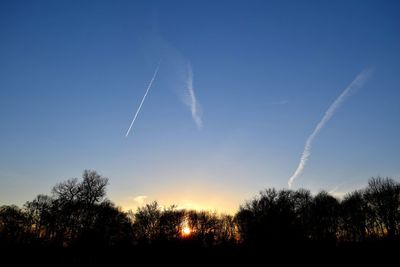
(72,74)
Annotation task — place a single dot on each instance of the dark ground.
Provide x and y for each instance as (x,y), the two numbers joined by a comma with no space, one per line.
(378,253)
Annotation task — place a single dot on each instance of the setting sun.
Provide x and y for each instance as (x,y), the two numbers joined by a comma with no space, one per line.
(186,231)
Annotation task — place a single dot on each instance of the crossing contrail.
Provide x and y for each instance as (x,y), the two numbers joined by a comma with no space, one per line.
(357,83)
(144,97)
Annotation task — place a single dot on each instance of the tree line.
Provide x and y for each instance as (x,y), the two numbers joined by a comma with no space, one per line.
(78,214)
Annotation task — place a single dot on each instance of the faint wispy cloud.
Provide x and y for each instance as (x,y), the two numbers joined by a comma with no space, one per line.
(338,194)
(179,72)
(191,100)
(281,102)
(140,199)
(357,83)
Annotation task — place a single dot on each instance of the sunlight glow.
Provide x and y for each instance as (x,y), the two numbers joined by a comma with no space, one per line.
(186,231)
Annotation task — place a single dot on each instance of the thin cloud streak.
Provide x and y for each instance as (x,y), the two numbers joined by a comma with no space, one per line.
(338,194)
(140,199)
(282,102)
(144,97)
(191,100)
(357,83)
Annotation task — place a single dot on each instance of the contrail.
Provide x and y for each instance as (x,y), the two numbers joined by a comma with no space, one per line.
(144,97)
(357,83)
(191,100)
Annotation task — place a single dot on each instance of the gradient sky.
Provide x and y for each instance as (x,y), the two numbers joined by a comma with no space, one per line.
(72,74)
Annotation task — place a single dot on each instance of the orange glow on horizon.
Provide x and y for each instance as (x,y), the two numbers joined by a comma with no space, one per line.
(198,193)
(184,204)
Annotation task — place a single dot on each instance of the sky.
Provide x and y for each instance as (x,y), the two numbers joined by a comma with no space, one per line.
(240,88)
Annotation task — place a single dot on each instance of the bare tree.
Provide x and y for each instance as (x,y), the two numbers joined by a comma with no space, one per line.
(39,214)
(383,198)
(146,223)
(13,225)
(354,217)
(66,191)
(325,217)
(92,189)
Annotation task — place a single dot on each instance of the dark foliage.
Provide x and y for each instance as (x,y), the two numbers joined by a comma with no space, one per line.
(78,217)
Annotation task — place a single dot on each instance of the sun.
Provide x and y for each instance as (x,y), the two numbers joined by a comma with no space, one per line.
(186,231)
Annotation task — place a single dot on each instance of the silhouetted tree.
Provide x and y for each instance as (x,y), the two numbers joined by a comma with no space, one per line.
(325,217)
(272,217)
(147,223)
(170,224)
(67,210)
(227,232)
(353,213)
(204,226)
(110,227)
(13,225)
(302,205)
(153,225)
(383,198)
(71,215)
(92,190)
(40,217)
